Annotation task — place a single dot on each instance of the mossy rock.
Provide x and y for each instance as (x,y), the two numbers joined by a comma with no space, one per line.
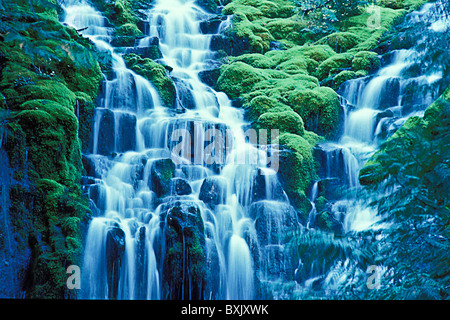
(282,89)
(238,78)
(297,164)
(340,41)
(372,173)
(319,108)
(262,104)
(49,90)
(334,65)
(156,74)
(319,53)
(343,76)
(284,121)
(256,60)
(125,35)
(288,30)
(294,66)
(367,61)
(251,33)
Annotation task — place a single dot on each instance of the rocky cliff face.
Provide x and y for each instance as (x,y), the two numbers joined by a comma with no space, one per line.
(49,80)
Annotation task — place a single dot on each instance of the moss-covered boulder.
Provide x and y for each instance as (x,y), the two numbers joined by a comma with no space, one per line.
(334,65)
(340,41)
(366,61)
(262,104)
(319,108)
(238,78)
(284,121)
(297,164)
(156,73)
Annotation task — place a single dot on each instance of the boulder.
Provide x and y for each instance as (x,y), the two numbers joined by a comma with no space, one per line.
(180,186)
(162,172)
(213,191)
(273,220)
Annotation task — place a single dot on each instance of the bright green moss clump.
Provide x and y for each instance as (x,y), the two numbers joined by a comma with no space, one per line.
(319,108)
(238,78)
(297,166)
(284,121)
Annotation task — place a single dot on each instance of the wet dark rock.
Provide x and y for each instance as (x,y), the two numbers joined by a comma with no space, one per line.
(151,51)
(211,26)
(115,248)
(180,187)
(184,266)
(209,77)
(184,94)
(213,191)
(106,136)
(272,221)
(162,171)
(126,132)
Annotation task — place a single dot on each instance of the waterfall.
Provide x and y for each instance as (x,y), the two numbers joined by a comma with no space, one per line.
(375,106)
(181,185)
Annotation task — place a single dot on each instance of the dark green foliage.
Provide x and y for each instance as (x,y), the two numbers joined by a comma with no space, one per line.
(416,165)
(325,13)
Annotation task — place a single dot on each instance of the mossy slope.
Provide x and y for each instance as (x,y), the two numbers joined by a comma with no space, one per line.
(49,76)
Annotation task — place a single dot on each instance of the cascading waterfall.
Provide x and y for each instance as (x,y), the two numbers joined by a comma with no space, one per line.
(156,168)
(183,188)
(375,107)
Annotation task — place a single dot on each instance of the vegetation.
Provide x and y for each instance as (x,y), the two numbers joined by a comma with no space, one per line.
(412,170)
(49,76)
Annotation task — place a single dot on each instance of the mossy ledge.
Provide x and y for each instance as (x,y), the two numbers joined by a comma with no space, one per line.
(49,77)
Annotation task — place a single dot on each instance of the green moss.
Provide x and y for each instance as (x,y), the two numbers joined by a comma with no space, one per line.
(156,73)
(126,34)
(372,173)
(283,89)
(262,104)
(49,90)
(367,61)
(343,76)
(255,60)
(319,53)
(288,29)
(319,109)
(340,41)
(334,65)
(297,166)
(284,121)
(238,78)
